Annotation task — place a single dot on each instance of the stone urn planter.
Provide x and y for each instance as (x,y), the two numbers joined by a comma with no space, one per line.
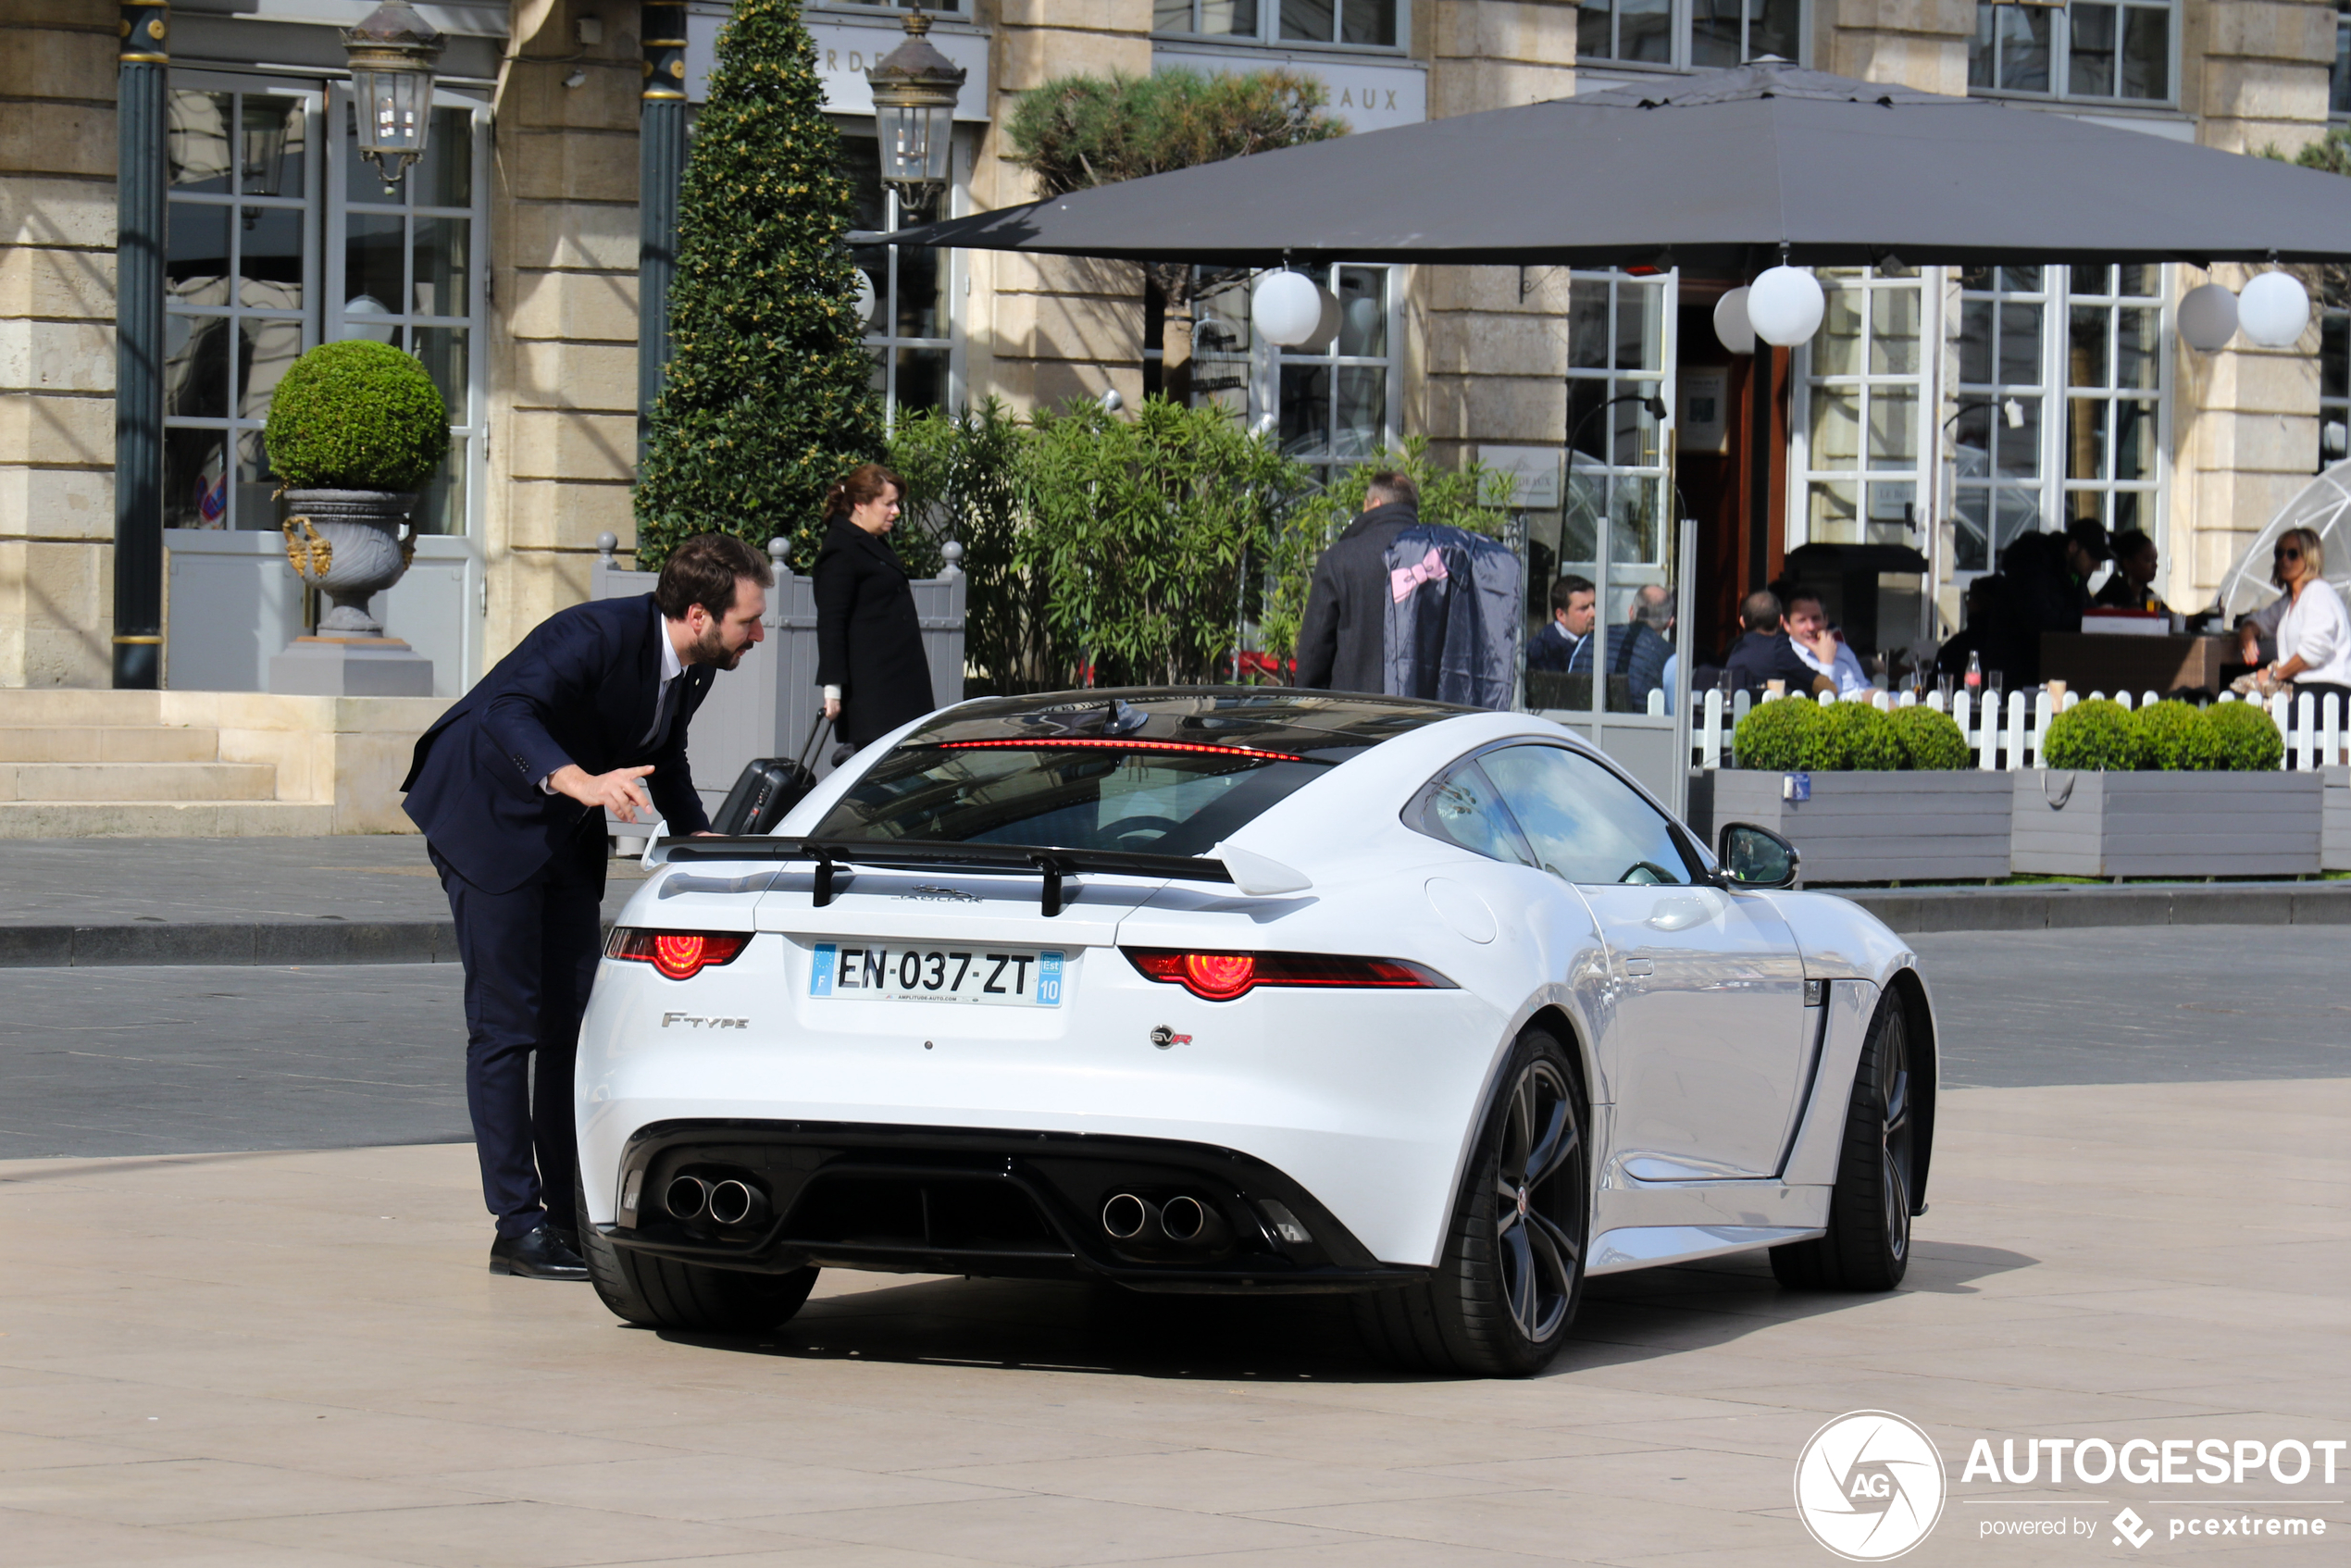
(2167,824)
(351,544)
(1928,825)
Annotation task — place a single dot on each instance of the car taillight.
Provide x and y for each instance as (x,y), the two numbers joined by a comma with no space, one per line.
(681,955)
(1221,976)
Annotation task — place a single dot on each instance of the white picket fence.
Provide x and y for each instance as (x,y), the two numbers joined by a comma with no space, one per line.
(2007,736)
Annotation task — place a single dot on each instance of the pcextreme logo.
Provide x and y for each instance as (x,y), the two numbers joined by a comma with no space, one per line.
(1869,1486)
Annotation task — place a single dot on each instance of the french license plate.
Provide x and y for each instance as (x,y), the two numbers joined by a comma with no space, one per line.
(997,976)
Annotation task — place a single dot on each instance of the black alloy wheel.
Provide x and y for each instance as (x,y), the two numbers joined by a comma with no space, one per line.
(1868,1243)
(1511,1273)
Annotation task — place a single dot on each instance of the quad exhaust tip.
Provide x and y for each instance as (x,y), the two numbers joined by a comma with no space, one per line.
(686,1197)
(1127,1219)
(1188,1222)
(737,1203)
(1182,1220)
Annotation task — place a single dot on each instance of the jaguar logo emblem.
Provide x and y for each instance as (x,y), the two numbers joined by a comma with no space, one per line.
(930,893)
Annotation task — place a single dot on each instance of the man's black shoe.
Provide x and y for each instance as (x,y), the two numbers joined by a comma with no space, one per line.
(536,1254)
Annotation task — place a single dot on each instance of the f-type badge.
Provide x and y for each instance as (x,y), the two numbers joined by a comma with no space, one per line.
(1164,1037)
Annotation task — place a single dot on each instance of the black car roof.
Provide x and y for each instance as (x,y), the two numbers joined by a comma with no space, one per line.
(1266,718)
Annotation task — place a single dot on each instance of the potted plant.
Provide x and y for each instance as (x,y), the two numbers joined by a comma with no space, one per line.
(2169,791)
(355,429)
(1867,795)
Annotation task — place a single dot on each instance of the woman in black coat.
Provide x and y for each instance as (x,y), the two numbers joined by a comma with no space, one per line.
(869,640)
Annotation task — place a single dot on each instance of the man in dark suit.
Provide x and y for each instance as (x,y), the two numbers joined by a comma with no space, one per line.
(1342,636)
(1565,642)
(1763,652)
(587,715)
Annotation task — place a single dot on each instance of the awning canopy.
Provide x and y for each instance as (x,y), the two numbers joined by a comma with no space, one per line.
(1715,173)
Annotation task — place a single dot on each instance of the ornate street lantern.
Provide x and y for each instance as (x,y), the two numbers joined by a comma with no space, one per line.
(914,90)
(392,54)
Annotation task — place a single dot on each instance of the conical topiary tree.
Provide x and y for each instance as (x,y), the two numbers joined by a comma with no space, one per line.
(769,395)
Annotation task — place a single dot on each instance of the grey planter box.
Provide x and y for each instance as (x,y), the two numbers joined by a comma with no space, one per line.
(2335,821)
(1931,826)
(2167,824)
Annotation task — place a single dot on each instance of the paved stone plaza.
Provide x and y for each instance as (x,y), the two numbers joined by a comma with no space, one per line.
(297,1358)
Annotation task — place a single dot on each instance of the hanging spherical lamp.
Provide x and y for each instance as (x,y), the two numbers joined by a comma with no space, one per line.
(2273,309)
(1731,325)
(862,302)
(1785,305)
(1285,307)
(2207,317)
(1326,325)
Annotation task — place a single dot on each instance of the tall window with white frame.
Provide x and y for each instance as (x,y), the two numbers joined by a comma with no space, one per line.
(1865,381)
(1698,35)
(1332,404)
(2113,395)
(412,251)
(1342,23)
(1615,349)
(2121,52)
(240,276)
(1995,434)
(911,330)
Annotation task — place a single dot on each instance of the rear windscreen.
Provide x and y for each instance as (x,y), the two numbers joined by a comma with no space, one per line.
(1134,801)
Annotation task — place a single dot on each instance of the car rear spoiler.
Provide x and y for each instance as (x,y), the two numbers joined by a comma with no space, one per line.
(1250,872)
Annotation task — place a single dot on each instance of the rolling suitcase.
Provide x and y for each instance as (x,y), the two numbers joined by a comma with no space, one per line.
(768,788)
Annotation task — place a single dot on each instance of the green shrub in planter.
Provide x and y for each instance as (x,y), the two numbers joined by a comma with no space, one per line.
(1931,741)
(1788,736)
(357,416)
(1862,739)
(2249,738)
(2177,738)
(2097,735)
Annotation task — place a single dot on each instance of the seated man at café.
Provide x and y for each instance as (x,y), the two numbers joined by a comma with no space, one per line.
(1763,654)
(2130,586)
(1822,649)
(1564,643)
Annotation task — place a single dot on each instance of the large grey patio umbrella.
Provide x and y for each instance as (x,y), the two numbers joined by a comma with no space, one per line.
(1715,172)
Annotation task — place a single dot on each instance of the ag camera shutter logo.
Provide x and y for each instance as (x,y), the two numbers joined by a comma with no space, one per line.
(1869,1486)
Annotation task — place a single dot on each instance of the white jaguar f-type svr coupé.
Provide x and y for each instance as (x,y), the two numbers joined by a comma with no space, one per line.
(1245,989)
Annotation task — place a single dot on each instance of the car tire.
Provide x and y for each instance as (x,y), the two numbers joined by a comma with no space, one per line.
(1868,1243)
(1512,1274)
(689,1298)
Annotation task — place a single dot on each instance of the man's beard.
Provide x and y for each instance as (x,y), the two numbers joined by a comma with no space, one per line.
(711,649)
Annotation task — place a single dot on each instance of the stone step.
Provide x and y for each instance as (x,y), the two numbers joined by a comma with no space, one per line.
(73,783)
(109,744)
(38,706)
(164,819)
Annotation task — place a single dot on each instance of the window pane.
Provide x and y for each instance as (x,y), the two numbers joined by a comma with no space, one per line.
(1836,428)
(440,505)
(1588,324)
(2135,430)
(2090,73)
(2090,282)
(2020,344)
(195,139)
(444,176)
(1984,65)
(1772,29)
(2021,280)
(1714,32)
(2139,280)
(269,150)
(1586,824)
(2339,98)
(195,367)
(1646,30)
(441,351)
(1462,810)
(1172,16)
(195,252)
(1309,19)
(1638,320)
(1833,518)
(267,351)
(270,259)
(1585,396)
(922,288)
(1894,505)
(2335,356)
(2137,343)
(1306,409)
(1894,420)
(2085,363)
(444,265)
(1362,411)
(2024,47)
(196,487)
(256,504)
(1975,342)
(1363,323)
(2147,53)
(1971,539)
(1635,539)
(1594,23)
(2017,454)
(922,377)
(1894,331)
(1368,21)
(1230,18)
(1636,443)
(371,260)
(1836,350)
(2086,438)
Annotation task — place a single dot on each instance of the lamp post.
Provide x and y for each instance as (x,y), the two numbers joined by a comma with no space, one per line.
(391,54)
(915,91)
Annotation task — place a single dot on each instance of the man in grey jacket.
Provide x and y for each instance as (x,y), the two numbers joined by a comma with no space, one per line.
(1340,639)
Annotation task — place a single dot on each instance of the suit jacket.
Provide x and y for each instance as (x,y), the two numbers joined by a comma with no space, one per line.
(1553,649)
(869,639)
(579,688)
(1342,637)
(1758,657)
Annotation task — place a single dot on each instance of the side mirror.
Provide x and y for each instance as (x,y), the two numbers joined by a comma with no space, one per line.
(1756,857)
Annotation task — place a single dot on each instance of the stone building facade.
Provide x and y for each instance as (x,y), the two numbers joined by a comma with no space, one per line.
(510,266)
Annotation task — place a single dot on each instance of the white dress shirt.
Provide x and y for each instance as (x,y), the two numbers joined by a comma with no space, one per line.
(672,666)
(1847,667)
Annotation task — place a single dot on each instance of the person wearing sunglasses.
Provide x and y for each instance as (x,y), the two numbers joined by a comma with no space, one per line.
(2314,634)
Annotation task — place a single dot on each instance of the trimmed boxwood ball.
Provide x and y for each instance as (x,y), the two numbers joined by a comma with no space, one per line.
(2249,738)
(1862,739)
(357,416)
(2177,738)
(2097,735)
(1790,735)
(1931,741)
